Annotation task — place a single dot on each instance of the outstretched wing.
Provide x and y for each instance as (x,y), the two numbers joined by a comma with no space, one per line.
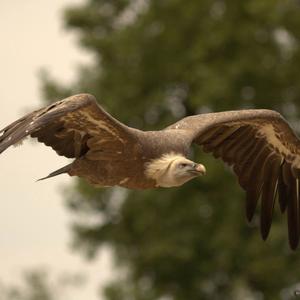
(265,155)
(73,127)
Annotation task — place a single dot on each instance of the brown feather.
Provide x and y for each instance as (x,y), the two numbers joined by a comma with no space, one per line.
(255,182)
(220,136)
(271,170)
(249,160)
(292,205)
(252,197)
(242,155)
(236,141)
(293,215)
(211,134)
(282,192)
(255,171)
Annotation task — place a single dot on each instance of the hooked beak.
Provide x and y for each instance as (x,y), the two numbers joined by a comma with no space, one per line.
(198,169)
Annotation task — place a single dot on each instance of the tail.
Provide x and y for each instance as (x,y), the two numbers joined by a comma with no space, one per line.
(62,170)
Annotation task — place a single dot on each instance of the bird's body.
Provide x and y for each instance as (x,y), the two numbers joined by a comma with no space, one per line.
(259,144)
(130,170)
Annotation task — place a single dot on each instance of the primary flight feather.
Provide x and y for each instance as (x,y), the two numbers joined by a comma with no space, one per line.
(259,144)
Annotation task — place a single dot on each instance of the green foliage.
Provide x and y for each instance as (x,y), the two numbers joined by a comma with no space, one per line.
(36,285)
(156,61)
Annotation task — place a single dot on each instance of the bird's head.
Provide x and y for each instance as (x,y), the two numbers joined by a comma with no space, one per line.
(173,170)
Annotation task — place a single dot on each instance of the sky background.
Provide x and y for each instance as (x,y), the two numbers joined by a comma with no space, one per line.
(34,223)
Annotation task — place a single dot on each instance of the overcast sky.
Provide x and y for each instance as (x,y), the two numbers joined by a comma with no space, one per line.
(33,220)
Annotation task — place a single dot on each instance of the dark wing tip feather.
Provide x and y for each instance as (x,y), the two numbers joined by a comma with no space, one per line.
(282,192)
(271,171)
(251,202)
(288,198)
(293,219)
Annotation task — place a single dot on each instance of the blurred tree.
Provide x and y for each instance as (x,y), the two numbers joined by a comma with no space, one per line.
(36,285)
(155,62)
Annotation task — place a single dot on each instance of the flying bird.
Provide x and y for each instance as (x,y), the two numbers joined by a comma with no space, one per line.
(259,144)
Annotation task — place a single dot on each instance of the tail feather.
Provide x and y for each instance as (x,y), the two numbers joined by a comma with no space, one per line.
(62,170)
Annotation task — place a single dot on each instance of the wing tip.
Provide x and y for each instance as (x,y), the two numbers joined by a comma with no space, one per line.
(250,211)
(264,231)
(294,242)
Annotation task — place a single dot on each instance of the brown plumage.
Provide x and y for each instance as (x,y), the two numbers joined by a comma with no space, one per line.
(259,145)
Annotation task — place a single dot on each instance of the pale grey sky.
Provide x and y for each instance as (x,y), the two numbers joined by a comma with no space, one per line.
(33,220)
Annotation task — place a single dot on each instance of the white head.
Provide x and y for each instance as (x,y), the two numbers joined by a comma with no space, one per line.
(173,170)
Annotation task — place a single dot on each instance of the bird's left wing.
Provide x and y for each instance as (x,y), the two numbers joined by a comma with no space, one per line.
(265,155)
(73,127)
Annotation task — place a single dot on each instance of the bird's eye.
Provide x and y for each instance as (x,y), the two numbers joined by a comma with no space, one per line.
(183,165)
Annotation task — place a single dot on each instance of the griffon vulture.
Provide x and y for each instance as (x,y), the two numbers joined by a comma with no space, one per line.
(259,144)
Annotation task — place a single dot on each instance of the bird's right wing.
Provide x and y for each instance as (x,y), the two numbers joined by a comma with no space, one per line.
(265,155)
(73,127)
